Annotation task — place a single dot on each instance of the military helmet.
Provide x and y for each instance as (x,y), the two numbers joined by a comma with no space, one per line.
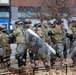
(37,25)
(2,26)
(18,22)
(27,21)
(45,22)
(58,22)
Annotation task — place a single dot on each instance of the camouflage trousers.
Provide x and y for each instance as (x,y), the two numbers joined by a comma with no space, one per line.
(6,56)
(1,52)
(59,49)
(7,51)
(20,51)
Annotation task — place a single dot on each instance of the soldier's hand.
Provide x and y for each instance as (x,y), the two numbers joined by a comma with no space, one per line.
(67,35)
(10,35)
(49,33)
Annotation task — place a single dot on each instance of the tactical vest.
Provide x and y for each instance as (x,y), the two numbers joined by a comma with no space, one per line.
(39,32)
(5,44)
(57,33)
(5,39)
(46,36)
(18,33)
(74,32)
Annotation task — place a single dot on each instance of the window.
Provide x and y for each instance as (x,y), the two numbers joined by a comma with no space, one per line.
(27,15)
(21,14)
(28,11)
(4,14)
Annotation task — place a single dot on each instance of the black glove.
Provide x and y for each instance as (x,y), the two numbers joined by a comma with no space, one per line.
(70,36)
(49,33)
(12,39)
(67,35)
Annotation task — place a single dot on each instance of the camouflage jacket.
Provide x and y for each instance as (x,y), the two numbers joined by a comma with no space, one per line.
(74,32)
(19,35)
(40,32)
(57,34)
(0,39)
(28,28)
(5,39)
(46,37)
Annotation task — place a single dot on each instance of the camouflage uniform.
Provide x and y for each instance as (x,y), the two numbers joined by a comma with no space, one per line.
(45,28)
(46,37)
(74,32)
(27,26)
(20,41)
(39,30)
(6,47)
(57,36)
(1,49)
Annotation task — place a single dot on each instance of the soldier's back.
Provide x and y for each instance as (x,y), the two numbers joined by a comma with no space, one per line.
(18,33)
(46,36)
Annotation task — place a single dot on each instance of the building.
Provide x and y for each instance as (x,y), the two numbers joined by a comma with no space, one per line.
(22,9)
(5,14)
(30,9)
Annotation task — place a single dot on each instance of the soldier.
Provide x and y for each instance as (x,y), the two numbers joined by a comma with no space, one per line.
(73,42)
(45,28)
(20,41)
(1,48)
(73,28)
(27,24)
(39,29)
(43,33)
(6,47)
(57,38)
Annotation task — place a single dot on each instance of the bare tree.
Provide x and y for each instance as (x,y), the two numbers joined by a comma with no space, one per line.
(54,8)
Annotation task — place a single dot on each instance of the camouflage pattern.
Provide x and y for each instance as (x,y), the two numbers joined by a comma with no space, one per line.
(20,49)
(57,36)
(46,37)
(30,27)
(6,48)
(74,32)
(39,31)
(0,40)
(38,46)
(20,41)
(1,48)
(72,53)
(5,44)
(19,35)
(45,28)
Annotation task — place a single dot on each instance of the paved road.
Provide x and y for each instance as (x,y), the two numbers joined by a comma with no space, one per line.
(13,48)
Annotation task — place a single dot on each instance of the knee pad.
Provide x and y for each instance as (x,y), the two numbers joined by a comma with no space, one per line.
(17,56)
